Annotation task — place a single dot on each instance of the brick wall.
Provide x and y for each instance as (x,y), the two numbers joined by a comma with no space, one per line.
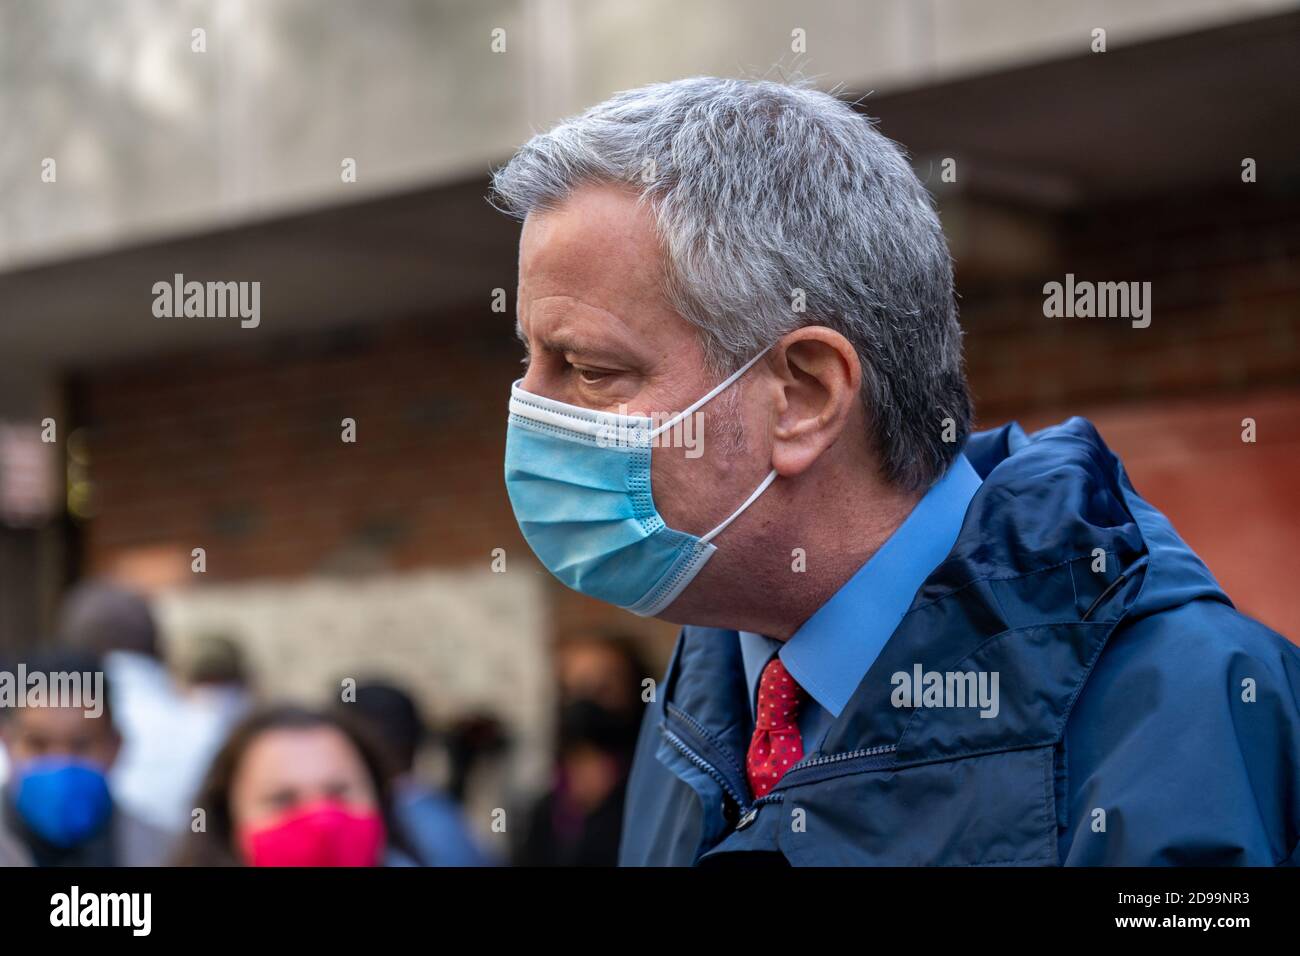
(1225,275)
(240,451)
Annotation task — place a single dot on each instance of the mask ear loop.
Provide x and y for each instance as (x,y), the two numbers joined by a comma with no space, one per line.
(771,477)
(721,387)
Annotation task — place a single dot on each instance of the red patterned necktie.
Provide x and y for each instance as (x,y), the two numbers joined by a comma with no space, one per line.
(776,745)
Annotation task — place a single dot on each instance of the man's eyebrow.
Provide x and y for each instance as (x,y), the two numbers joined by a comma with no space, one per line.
(563,341)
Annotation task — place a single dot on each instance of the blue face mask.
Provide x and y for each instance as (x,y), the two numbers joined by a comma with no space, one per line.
(579,483)
(63,801)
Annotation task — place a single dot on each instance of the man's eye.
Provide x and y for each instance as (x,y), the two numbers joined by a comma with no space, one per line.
(591,376)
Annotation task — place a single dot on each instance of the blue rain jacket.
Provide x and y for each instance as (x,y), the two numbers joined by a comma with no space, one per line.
(1142,720)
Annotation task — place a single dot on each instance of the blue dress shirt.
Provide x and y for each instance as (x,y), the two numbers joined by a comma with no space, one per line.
(832,651)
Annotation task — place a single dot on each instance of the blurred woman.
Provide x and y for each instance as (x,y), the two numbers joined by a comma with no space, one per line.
(295,787)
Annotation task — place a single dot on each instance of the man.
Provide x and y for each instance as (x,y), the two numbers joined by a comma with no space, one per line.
(904,644)
(167,741)
(577,822)
(57,804)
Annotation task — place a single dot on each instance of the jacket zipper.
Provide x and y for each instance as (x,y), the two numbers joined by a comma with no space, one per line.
(708,768)
(749,809)
(815,769)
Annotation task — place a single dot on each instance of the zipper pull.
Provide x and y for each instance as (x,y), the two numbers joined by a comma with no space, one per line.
(749,816)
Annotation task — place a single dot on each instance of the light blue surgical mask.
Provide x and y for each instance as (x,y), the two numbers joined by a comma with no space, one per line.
(579,483)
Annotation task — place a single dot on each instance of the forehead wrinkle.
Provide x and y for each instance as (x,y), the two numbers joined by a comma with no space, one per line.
(562,340)
(613,339)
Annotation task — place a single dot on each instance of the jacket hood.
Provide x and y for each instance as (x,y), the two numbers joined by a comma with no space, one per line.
(1056,551)
(1069,494)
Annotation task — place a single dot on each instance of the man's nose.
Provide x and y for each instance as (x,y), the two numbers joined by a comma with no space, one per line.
(533,380)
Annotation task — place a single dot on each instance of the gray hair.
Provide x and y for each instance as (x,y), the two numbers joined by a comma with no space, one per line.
(766,191)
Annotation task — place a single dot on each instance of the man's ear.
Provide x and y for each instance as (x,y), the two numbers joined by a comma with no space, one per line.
(819,381)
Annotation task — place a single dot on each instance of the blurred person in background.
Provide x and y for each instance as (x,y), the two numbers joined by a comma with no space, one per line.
(432,823)
(217,690)
(577,823)
(163,757)
(58,804)
(295,786)
(474,741)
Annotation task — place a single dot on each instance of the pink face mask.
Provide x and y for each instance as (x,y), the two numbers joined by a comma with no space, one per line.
(327,833)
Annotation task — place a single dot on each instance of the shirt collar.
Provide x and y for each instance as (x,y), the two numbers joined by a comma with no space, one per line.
(830,654)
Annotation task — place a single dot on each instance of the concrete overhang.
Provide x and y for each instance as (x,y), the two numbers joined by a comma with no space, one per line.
(1158,118)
